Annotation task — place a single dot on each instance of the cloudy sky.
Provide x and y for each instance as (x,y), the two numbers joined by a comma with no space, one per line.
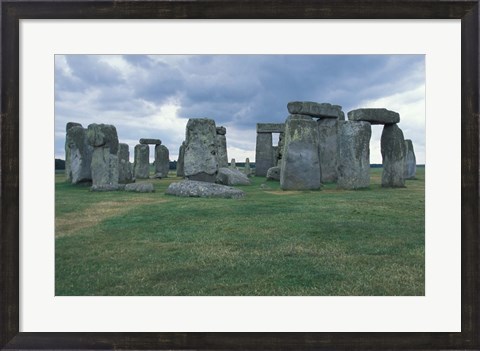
(153,96)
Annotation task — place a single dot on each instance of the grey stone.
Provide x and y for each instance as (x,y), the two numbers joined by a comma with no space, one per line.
(104,139)
(300,169)
(233,164)
(200,159)
(192,188)
(374,115)
(327,148)
(247,170)
(141,164)
(264,186)
(180,161)
(273,173)
(146,141)
(229,176)
(353,150)
(107,187)
(142,187)
(221,145)
(270,127)
(125,173)
(410,161)
(393,155)
(263,154)
(162,161)
(72,124)
(315,109)
(78,154)
(278,156)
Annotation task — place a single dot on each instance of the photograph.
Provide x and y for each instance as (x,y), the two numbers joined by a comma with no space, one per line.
(239,175)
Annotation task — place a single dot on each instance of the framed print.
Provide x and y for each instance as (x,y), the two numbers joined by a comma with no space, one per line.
(84,61)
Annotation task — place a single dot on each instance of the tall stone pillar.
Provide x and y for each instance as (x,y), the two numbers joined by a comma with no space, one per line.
(300,168)
(104,139)
(180,161)
(162,161)
(221,143)
(78,154)
(263,154)
(327,148)
(353,150)
(410,160)
(141,164)
(393,155)
(125,173)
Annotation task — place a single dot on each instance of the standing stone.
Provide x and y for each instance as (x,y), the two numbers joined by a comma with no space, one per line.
(278,158)
(410,160)
(162,161)
(263,154)
(180,161)
(78,154)
(200,160)
(393,154)
(327,148)
(233,164)
(104,139)
(221,143)
(353,150)
(141,163)
(300,168)
(125,174)
(247,170)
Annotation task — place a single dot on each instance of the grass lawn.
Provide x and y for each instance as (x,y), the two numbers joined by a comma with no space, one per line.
(272,242)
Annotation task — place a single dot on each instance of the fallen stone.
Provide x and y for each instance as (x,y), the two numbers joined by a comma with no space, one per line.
(315,109)
(192,188)
(393,154)
(374,116)
(229,176)
(140,187)
(273,173)
(300,169)
(107,187)
(353,154)
(200,159)
(410,160)
(145,141)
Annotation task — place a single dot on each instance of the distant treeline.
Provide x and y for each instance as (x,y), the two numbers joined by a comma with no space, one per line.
(60,164)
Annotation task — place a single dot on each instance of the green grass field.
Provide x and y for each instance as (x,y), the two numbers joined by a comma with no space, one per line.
(329,242)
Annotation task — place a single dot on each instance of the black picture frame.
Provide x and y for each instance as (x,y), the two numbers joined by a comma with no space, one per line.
(13,11)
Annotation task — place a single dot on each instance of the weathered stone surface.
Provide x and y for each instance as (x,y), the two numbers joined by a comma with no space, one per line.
(104,139)
(327,148)
(247,170)
(263,154)
(72,124)
(270,127)
(107,187)
(273,173)
(146,141)
(142,187)
(103,135)
(162,161)
(229,176)
(353,150)
(200,160)
(192,188)
(221,145)
(233,164)
(410,161)
(125,173)
(180,161)
(78,154)
(374,115)
(300,169)
(315,109)
(141,164)
(393,155)
(279,154)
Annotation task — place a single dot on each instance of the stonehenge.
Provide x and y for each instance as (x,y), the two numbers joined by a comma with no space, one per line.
(180,161)
(141,164)
(265,155)
(162,161)
(78,154)
(410,161)
(221,143)
(125,171)
(393,154)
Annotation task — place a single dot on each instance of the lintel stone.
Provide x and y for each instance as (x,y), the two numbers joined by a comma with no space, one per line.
(270,127)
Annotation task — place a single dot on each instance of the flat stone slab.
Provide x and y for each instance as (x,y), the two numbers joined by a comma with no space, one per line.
(193,188)
(143,187)
(315,109)
(374,115)
(150,141)
(270,127)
